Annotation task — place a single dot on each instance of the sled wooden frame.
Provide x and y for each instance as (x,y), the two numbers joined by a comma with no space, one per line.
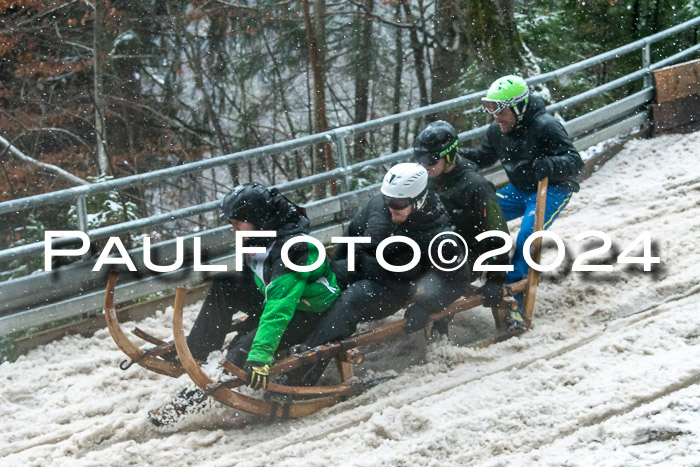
(285,401)
(533,275)
(147,358)
(288,403)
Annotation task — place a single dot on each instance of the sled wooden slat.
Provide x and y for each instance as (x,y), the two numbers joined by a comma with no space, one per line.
(225,395)
(306,391)
(533,276)
(499,317)
(149,362)
(147,337)
(345,363)
(345,369)
(164,348)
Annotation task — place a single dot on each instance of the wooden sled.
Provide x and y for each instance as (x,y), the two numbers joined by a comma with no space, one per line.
(292,401)
(280,401)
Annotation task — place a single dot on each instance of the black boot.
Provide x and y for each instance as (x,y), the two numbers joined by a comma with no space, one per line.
(305,375)
(187,401)
(440,327)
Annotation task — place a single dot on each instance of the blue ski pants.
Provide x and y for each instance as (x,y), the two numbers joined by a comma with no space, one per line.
(517,203)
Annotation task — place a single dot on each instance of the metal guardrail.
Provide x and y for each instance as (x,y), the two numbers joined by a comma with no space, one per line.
(73,290)
(343,132)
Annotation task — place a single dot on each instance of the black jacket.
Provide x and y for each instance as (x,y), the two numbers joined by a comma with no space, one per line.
(374,221)
(537,136)
(472,205)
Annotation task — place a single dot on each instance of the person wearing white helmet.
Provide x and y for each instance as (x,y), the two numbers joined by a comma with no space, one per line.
(406,207)
(405,191)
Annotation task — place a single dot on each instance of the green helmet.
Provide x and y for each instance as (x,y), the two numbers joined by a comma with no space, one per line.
(507,91)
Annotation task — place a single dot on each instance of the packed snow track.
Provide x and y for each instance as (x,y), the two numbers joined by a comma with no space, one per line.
(609,375)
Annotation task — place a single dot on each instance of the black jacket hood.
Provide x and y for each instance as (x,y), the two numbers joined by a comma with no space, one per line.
(288,221)
(291,220)
(535,108)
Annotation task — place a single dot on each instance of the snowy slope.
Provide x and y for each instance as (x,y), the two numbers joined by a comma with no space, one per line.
(609,375)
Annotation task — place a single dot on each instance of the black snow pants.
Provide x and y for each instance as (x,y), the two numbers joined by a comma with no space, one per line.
(233,292)
(367,300)
(361,300)
(364,300)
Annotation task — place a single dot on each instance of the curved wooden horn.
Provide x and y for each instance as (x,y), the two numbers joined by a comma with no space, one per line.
(225,395)
(129,348)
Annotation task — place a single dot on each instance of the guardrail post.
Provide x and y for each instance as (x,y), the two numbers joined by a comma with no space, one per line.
(81,210)
(341,157)
(646,63)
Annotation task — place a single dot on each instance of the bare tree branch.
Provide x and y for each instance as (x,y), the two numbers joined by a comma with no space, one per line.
(60,130)
(382,20)
(47,167)
(172,121)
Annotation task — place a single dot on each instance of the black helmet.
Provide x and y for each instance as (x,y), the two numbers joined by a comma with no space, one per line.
(437,140)
(251,202)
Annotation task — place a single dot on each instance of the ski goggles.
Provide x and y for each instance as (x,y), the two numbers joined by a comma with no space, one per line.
(428,158)
(397,204)
(493,108)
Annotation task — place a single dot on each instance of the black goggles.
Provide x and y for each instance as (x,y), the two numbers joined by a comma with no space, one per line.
(428,158)
(397,204)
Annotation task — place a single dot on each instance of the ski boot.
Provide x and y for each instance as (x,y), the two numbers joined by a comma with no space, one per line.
(514,318)
(187,401)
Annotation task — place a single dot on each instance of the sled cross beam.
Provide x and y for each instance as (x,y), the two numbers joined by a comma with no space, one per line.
(345,363)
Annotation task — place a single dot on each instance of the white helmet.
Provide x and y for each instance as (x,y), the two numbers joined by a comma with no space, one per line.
(408,182)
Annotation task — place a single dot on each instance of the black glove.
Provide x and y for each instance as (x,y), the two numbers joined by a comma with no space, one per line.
(492,292)
(258,374)
(543,168)
(416,318)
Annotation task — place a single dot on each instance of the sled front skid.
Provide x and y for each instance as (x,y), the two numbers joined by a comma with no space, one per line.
(135,354)
(225,395)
